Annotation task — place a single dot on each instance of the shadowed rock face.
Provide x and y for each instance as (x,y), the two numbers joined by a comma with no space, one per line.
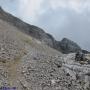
(69,46)
(65,46)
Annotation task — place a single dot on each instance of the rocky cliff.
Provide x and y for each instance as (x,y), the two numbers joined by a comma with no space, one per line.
(68,46)
(65,46)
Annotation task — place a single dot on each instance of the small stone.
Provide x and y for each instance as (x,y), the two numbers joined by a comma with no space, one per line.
(67,74)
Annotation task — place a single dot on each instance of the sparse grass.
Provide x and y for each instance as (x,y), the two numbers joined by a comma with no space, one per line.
(12,67)
(28,41)
(25,38)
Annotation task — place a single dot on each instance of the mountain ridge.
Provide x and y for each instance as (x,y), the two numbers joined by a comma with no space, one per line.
(40,34)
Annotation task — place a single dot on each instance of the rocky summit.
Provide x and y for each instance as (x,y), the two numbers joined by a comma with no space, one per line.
(31,59)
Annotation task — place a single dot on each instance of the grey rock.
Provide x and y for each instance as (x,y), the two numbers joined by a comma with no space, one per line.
(68,46)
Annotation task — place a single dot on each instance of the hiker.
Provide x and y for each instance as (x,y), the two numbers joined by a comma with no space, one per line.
(79,56)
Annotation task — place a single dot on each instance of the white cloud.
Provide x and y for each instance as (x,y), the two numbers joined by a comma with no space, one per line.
(76,5)
(29,8)
(32,9)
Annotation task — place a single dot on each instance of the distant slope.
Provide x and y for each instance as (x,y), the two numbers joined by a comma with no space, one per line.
(38,33)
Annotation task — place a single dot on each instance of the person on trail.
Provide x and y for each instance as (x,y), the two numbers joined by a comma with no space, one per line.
(79,56)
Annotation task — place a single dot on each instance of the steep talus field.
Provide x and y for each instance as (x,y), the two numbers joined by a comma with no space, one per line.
(10,44)
(12,48)
(15,47)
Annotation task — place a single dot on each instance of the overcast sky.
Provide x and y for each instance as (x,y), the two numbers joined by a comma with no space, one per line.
(61,18)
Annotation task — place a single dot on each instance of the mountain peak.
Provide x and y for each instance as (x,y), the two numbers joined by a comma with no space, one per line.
(1,9)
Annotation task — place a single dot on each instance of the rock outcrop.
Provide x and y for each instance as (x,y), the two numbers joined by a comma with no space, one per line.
(79,71)
(69,46)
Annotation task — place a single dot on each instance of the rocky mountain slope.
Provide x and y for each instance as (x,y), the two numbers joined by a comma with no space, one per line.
(28,64)
(38,33)
(16,49)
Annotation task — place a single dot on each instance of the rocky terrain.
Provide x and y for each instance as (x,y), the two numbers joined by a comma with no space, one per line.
(30,64)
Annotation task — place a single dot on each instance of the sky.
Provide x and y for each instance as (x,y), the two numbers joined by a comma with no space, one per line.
(61,18)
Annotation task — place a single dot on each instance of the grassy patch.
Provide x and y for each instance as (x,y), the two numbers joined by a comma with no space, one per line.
(24,37)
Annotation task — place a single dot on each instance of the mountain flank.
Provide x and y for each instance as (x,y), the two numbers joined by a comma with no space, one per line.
(64,46)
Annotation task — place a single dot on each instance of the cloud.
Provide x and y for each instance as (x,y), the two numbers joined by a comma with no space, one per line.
(76,5)
(29,8)
(33,9)
(10,6)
